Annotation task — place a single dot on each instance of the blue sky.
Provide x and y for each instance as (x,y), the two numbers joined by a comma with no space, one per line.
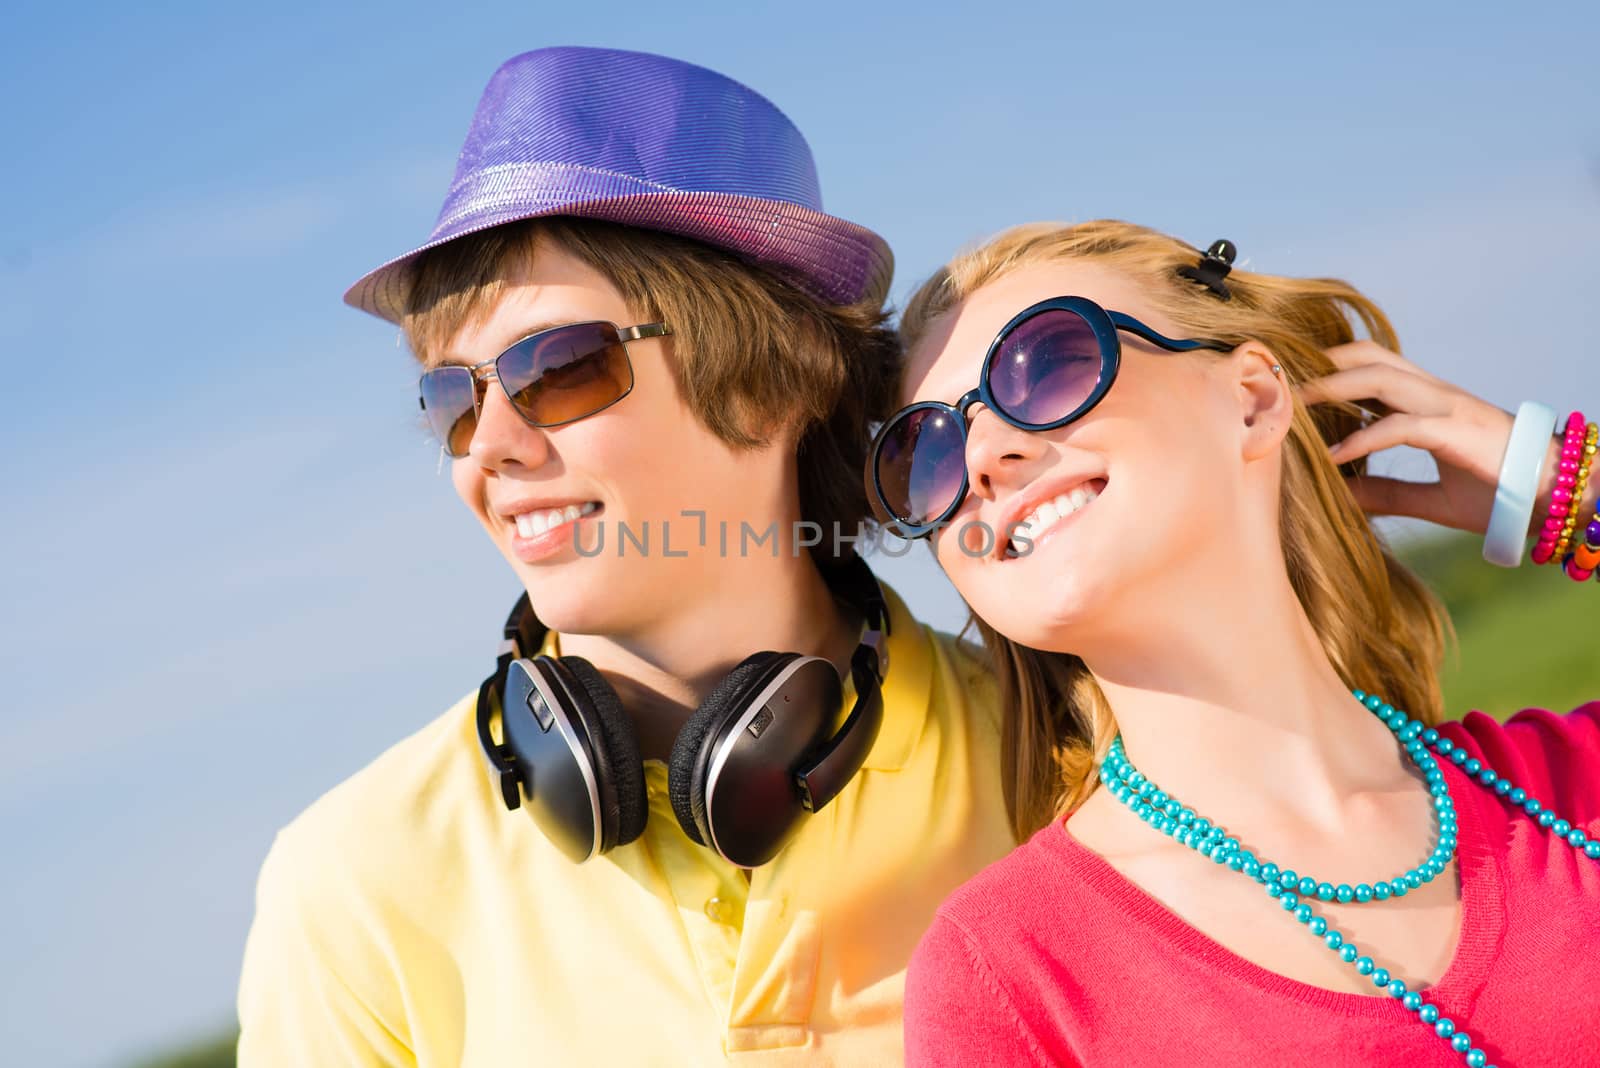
(234,576)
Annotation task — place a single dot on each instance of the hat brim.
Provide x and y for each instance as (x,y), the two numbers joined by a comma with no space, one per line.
(835,261)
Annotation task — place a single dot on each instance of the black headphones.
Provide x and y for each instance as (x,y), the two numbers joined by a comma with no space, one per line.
(747,767)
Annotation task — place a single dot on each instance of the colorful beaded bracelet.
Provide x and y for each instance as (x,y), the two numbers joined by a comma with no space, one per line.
(1563,501)
(1581,564)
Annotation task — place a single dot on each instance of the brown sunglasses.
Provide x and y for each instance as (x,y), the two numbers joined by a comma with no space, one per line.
(553,377)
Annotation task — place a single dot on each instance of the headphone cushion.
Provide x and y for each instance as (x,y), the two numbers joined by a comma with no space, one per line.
(685,777)
(617,747)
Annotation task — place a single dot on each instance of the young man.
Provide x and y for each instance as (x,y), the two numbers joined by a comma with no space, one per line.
(688,354)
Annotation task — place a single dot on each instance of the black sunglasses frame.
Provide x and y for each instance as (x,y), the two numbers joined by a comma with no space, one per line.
(1104,325)
(480,375)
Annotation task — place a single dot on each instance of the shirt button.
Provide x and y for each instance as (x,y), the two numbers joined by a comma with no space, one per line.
(719,911)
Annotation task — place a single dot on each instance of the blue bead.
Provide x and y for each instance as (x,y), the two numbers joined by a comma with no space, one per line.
(1472,765)
(1348,953)
(1304,913)
(1361,695)
(1445,1027)
(1236,862)
(1172,808)
(1158,798)
(1592,850)
(1502,787)
(1269,872)
(1344,893)
(1396,988)
(1380,892)
(1476,1058)
(1252,867)
(1459,756)
(1134,777)
(1561,828)
(1428,1013)
(1486,777)
(1186,816)
(1380,977)
(1517,795)
(1397,721)
(1363,893)
(1430,736)
(1546,818)
(1201,825)
(1399,887)
(1412,1001)
(1288,879)
(1461,1043)
(1412,879)
(1289,902)
(1325,892)
(1445,745)
(1410,730)
(1317,925)
(1364,966)
(1308,886)
(1333,940)
(1373,702)
(1274,890)
(1531,806)
(1576,838)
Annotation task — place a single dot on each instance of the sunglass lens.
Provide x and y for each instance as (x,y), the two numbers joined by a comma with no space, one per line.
(448,402)
(1047,368)
(921,464)
(560,375)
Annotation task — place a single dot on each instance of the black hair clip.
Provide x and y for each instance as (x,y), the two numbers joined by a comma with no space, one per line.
(1214,267)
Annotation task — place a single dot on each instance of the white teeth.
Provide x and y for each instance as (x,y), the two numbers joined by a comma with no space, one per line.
(532,524)
(1047,514)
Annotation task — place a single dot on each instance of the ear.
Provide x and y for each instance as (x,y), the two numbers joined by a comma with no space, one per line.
(1266,405)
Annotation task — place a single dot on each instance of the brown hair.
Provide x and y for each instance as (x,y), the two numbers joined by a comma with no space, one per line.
(1379,625)
(753,355)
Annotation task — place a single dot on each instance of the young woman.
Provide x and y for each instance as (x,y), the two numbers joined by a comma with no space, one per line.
(1251,845)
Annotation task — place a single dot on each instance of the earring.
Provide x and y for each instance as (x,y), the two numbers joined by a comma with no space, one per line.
(1277,369)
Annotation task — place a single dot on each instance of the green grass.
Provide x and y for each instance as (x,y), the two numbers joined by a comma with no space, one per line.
(216,1052)
(1528,637)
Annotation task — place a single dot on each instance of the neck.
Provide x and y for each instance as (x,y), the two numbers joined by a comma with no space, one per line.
(1239,705)
(663,669)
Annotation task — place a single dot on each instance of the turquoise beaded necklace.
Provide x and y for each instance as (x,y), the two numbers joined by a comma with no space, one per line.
(1292,891)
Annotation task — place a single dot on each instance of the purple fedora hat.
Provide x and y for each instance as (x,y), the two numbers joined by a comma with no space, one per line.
(652,142)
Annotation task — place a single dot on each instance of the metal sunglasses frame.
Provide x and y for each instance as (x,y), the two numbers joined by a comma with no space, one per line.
(1104,324)
(481,373)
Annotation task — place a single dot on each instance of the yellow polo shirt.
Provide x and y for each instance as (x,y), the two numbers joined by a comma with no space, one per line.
(406,918)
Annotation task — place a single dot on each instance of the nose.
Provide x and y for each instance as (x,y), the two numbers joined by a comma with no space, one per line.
(503,439)
(1001,457)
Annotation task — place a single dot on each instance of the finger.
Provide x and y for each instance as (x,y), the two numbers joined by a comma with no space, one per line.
(1392,496)
(1401,428)
(1360,353)
(1399,390)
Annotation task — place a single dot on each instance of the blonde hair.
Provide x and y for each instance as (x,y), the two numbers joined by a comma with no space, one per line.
(753,355)
(1379,625)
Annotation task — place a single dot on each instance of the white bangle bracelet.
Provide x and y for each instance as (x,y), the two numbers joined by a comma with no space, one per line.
(1514,497)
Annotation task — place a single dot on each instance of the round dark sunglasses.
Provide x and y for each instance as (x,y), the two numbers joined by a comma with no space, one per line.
(1049,365)
(553,377)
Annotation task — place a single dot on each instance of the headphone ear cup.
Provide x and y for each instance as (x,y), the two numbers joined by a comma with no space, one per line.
(691,752)
(616,748)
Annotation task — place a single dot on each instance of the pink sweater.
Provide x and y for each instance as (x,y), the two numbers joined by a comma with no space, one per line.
(1050,956)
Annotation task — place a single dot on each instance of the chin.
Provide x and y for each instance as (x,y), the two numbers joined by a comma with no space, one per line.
(575,596)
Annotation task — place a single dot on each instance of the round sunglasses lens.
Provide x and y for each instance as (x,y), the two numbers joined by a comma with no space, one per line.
(1047,368)
(921,464)
(560,375)
(448,403)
